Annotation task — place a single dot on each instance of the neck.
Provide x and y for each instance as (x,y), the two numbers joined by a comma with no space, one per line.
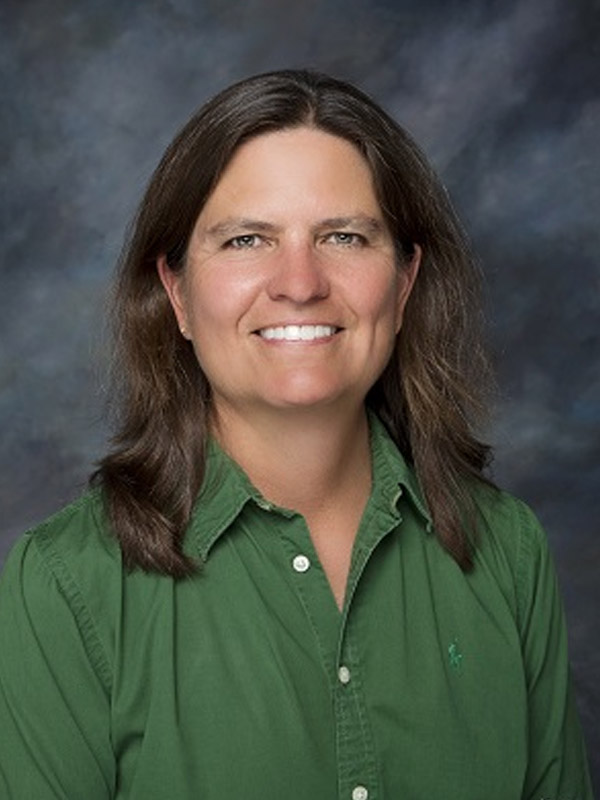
(302,460)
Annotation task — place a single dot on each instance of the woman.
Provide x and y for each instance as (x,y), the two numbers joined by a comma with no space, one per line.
(291,578)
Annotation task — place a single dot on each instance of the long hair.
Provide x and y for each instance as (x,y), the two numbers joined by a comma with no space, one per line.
(430,393)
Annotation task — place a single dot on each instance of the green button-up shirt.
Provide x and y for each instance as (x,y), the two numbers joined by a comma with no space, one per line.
(246,681)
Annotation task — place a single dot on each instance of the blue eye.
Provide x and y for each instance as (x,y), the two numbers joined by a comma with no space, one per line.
(347,239)
(245,241)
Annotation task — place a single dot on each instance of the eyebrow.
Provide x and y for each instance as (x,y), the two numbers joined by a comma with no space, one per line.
(361,221)
(233,225)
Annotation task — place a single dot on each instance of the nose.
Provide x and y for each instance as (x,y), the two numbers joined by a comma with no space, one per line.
(298,275)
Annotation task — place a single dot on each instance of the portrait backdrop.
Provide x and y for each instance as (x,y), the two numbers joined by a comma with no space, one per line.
(504,98)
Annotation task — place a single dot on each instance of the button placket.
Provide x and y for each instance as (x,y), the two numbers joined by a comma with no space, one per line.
(356,760)
(356,756)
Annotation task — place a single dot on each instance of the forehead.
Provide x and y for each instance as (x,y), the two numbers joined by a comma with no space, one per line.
(293,167)
(288,140)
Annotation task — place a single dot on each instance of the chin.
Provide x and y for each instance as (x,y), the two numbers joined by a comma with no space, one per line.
(310,400)
(313,392)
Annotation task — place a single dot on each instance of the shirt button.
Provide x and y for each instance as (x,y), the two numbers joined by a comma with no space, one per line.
(344,675)
(360,793)
(301,563)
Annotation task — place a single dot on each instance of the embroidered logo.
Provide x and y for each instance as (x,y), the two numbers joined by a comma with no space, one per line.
(455,657)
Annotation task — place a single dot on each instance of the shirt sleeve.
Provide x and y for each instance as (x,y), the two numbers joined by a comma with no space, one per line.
(557,765)
(54,685)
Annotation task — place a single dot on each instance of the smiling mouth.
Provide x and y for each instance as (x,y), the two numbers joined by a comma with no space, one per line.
(298,333)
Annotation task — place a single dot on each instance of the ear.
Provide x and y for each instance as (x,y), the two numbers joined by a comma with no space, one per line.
(406,280)
(173,283)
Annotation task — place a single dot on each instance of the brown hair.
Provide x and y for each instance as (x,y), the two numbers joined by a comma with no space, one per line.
(429,395)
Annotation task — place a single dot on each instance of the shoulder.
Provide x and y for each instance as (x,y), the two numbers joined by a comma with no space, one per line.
(65,571)
(509,525)
(75,539)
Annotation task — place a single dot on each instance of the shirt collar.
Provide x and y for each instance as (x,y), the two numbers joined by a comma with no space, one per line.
(226,488)
(392,472)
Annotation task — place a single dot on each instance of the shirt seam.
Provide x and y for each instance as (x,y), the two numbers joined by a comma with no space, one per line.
(69,589)
(523,559)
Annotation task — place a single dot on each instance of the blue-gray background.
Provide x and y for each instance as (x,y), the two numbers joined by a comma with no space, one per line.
(504,97)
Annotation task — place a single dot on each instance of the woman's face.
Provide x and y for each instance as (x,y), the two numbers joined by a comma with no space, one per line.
(291,294)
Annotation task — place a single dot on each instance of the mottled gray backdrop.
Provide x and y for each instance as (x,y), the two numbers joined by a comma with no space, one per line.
(504,96)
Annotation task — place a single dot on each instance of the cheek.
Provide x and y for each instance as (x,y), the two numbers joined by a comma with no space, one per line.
(206,301)
(215,305)
(380,301)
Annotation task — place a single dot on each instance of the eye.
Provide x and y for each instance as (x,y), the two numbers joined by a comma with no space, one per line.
(246,241)
(346,239)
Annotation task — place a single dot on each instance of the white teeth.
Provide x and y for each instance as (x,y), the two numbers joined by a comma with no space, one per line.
(298,333)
